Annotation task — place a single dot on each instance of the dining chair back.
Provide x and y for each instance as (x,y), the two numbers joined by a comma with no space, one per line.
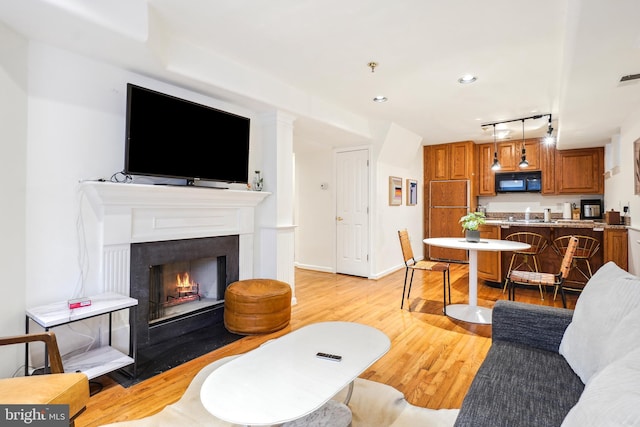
(526,258)
(585,250)
(411,264)
(541,279)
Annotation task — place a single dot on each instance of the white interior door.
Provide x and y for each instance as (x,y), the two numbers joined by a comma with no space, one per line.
(352,212)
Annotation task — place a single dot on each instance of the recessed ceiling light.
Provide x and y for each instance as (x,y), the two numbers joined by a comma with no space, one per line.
(380,98)
(467,78)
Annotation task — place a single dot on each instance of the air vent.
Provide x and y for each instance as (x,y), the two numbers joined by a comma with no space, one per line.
(629,77)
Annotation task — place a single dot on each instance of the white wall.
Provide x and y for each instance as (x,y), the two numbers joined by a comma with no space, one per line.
(76,131)
(619,187)
(400,156)
(390,219)
(67,127)
(13,133)
(399,153)
(315,207)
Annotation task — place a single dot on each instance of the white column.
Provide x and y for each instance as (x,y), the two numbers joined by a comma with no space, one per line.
(276,250)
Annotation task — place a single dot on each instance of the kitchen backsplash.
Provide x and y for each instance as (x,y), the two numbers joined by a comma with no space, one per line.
(516,204)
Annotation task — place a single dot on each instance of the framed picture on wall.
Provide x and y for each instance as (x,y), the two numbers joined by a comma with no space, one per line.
(412,192)
(395,191)
(636,166)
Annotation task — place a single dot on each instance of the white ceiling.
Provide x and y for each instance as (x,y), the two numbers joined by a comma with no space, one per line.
(563,57)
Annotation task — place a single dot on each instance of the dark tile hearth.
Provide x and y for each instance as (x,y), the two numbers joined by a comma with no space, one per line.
(162,356)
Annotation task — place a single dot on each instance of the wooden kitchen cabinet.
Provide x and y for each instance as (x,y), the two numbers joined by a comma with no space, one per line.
(489,262)
(616,247)
(509,156)
(580,171)
(486,176)
(449,161)
(532,148)
(547,166)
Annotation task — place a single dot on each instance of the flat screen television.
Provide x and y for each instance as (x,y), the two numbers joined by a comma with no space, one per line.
(172,137)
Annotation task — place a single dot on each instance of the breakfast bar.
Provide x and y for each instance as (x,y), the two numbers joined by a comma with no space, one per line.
(612,241)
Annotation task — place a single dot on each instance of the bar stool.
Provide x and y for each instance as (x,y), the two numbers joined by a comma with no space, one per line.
(538,244)
(587,247)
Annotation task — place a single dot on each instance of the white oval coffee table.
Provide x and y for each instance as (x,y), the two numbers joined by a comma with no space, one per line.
(283,380)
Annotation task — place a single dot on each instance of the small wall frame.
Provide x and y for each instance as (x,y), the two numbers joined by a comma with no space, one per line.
(412,192)
(636,166)
(395,191)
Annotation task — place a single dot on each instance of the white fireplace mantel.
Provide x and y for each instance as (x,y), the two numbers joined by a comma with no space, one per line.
(136,213)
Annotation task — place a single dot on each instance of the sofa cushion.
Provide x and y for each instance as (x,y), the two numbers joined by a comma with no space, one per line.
(610,398)
(600,330)
(520,385)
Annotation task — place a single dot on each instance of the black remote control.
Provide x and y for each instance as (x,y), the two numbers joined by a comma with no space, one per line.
(328,356)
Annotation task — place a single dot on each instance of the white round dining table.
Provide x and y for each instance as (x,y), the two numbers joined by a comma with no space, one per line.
(471,312)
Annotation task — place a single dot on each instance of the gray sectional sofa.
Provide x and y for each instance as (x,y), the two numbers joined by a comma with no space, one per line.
(557,367)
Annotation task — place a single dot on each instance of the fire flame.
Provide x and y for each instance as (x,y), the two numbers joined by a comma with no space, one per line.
(184,281)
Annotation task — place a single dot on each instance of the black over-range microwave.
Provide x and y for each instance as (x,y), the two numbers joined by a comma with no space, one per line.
(519,182)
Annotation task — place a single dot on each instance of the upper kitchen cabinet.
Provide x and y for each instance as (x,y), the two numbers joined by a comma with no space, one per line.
(509,156)
(563,172)
(548,168)
(486,176)
(449,161)
(580,171)
(532,150)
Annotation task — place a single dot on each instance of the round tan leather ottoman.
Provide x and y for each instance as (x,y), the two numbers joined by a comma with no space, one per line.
(257,306)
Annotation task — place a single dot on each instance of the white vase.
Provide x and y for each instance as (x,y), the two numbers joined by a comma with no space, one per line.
(257,181)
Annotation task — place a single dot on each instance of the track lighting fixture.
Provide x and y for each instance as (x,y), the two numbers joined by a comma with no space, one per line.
(496,164)
(548,139)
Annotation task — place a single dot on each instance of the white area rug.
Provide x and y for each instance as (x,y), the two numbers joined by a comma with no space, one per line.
(372,404)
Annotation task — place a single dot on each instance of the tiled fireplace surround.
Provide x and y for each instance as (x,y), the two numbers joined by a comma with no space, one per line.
(132,213)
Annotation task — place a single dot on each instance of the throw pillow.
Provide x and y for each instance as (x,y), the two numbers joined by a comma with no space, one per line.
(600,330)
(610,398)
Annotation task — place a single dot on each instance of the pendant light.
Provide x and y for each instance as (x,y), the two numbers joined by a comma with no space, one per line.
(523,159)
(496,164)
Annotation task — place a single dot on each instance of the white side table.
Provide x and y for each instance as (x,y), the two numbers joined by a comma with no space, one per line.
(98,361)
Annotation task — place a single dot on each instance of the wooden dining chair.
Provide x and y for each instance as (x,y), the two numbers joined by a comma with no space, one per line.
(534,278)
(526,259)
(587,247)
(413,265)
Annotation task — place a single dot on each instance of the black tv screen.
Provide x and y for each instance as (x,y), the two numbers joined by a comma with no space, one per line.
(172,137)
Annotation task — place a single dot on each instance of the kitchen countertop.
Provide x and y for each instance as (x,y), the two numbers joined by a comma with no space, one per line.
(560,223)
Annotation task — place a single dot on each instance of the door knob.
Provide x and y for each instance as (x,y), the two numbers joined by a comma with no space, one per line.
(339,218)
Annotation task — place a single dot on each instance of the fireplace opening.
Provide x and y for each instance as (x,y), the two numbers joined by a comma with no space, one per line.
(182,287)
(167,309)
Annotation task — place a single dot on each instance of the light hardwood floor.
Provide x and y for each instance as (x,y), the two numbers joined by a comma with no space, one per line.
(432,359)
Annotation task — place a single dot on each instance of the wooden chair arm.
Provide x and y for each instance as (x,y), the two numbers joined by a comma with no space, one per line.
(49,338)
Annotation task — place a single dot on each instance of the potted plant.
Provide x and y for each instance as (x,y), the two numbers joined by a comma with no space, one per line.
(470,223)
